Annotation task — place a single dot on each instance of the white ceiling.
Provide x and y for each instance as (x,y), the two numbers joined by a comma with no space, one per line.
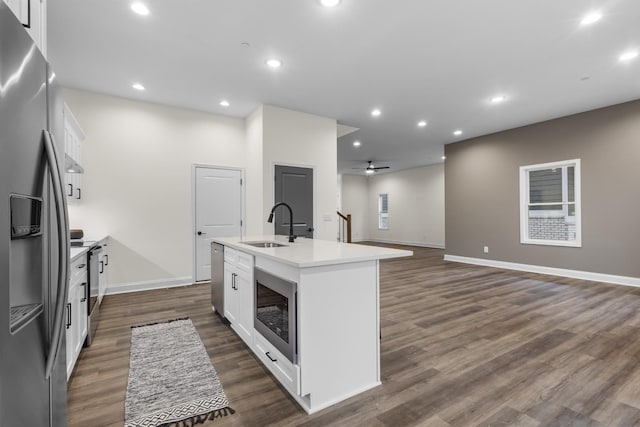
(437,60)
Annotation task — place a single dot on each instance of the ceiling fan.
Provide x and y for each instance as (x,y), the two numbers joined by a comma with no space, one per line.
(371,168)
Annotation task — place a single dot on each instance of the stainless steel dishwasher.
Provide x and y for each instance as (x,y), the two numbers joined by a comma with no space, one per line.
(217,278)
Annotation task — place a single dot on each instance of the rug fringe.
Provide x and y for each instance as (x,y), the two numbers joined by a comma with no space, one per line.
(200,419)
(158,323)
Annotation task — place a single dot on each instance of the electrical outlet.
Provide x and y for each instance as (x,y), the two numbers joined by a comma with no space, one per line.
(486,249)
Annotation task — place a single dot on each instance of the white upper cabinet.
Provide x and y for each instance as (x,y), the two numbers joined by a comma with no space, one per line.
(33,16)
(73,137)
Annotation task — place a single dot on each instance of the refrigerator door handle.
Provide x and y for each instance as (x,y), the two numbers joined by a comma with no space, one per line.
(63,250)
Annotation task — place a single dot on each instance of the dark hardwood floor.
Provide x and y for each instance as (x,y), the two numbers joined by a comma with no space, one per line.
(461,345)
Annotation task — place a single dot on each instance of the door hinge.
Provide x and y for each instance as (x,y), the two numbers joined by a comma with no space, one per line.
(240,181)
(240,223)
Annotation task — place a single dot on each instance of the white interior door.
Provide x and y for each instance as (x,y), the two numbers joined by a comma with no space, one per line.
(218,212)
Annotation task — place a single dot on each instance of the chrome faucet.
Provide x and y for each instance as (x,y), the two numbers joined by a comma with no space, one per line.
(270,220)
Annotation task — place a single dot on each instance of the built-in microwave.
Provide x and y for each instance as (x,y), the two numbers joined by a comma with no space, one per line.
(275,312)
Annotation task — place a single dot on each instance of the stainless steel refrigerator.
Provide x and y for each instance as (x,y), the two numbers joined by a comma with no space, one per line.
(34,243)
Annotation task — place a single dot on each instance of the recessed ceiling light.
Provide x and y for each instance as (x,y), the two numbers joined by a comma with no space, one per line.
(591,18)
(224,103)
(140,8)
(443,157)
(376,112)
(356,143)
(497,99)
(422,123)
(457,133)
(137,86)
(274,63)
(330,3)
(627,56)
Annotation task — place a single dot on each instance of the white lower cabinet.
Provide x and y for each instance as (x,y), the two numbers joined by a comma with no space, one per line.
(76,312)
(282,368)
(238,293)
(103,269)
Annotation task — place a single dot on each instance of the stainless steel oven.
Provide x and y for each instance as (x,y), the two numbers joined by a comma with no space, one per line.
(275,312)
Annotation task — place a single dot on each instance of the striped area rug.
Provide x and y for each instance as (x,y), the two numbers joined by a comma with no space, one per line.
(171,379)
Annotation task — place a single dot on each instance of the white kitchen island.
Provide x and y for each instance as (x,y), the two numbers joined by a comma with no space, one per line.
(338,313)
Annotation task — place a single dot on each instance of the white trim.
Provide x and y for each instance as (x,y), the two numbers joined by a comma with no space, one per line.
(524,202)
(319,407)
(194,166)
(403,242)
(574,274)
(148,285)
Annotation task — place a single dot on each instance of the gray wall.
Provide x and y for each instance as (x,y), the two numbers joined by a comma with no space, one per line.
(482,191)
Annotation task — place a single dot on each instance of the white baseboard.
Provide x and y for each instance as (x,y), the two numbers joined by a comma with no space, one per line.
(574,274)
(404,242)
(147,285)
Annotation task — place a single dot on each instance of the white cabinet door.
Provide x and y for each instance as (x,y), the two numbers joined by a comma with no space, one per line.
(73,136)
(230,294)
(238,293)
(244,288)
(76,312)
(79,315)
(83,304)
(103,270)
(32,15)
(70,331)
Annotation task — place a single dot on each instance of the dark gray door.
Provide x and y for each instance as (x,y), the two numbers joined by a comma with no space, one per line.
(294,186)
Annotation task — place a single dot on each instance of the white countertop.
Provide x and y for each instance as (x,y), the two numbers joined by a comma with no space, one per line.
(311,252)
(77,251)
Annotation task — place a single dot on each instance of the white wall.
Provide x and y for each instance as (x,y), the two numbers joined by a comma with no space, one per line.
(254,198)
(415,201)
(300,139)
(355,201)
(137,183)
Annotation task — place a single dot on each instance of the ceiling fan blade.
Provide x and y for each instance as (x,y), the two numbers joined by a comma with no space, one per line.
(380,167)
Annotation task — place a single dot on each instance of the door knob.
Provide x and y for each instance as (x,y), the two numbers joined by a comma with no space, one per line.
(200,233)
(310,229)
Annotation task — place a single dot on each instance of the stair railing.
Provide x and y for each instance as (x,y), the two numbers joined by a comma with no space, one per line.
(344,224)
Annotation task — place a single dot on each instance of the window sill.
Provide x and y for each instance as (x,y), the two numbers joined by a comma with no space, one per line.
(572,244)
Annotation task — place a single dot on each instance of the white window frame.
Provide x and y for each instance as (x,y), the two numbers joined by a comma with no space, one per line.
(382,226)
(524,203)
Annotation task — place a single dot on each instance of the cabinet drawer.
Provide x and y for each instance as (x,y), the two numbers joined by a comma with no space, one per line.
(230,255)
(245,262)
(286,372)
(77,268)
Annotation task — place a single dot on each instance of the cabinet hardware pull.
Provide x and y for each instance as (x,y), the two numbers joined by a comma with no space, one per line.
(233,281)
(82,265)
(107,259)
(70,190)
(101,267)
(270,358)
(84,296)
(68,315)
(79,193)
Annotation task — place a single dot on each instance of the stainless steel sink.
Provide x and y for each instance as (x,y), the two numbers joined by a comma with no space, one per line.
(264,244)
